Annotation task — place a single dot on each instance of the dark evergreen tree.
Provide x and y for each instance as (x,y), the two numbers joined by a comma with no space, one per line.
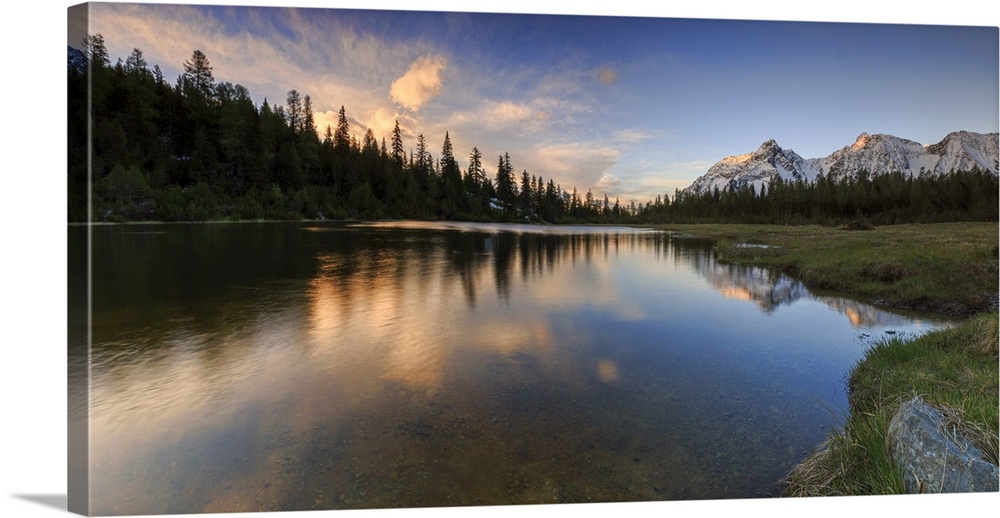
(308,145)
(198,79)
(506,188)
(453,200)
(525,193)
(398,155)
(293,112)
(342,137)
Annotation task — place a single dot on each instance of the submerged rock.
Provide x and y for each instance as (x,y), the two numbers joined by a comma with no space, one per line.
(934,457)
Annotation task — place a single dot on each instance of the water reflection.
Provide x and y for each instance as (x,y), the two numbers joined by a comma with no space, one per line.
(769,290)
(286,366)
(532,252)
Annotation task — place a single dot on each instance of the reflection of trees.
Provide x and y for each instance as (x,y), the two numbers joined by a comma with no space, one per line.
(468,258)
(469,254)
(535,255)
(504,248)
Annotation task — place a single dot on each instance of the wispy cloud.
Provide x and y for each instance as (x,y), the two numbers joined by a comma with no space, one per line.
(631,136)
(608,183)
(579,164)
(651,180)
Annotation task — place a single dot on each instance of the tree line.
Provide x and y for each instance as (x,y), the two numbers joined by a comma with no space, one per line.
(883,199)
(200,149)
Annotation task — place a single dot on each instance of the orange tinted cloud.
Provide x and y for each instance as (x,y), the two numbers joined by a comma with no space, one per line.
(607,76)
(420,83)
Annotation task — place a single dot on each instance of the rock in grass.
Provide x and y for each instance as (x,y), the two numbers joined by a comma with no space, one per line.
(935,458)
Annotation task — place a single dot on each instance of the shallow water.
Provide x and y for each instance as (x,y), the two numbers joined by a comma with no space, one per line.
(286,366)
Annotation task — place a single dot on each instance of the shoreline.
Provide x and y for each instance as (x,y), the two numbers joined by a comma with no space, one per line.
(941,268)
(955,369)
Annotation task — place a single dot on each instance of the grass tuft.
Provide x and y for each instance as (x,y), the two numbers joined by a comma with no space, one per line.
(986,340)
(984,439)
(853,461)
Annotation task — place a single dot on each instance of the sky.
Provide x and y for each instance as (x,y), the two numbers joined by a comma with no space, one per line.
(628,106)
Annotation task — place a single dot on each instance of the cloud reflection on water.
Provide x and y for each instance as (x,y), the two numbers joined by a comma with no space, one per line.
(385,335)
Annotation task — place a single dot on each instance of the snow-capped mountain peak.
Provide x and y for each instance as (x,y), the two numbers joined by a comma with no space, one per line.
(76,59)
(876,154)
(756,168)
(873,154)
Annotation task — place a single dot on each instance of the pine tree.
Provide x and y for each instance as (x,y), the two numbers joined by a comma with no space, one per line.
(135,64)
(398,154)
(475,175)
(342,137)
(198,78)
(506,187)
(423,158)
(308,121)
(452,191)
(97,51)
(294,110)
(525,194)
(308,143)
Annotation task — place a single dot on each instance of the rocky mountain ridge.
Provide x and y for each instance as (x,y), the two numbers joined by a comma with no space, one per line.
(875,154)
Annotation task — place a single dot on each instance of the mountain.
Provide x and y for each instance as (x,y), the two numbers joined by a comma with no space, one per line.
(757,169)
(76,59)
(963,150)
(876,154)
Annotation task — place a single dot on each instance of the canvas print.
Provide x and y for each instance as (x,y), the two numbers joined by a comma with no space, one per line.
(343,259)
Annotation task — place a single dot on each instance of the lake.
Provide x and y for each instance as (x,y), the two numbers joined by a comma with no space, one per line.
(294,366)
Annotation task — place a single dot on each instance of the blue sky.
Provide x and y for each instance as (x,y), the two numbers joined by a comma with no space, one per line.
(627,106)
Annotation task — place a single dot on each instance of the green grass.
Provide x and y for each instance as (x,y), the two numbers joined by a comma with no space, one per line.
(949,268)
(955,370)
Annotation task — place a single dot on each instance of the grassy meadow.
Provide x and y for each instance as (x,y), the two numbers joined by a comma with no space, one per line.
(948,268)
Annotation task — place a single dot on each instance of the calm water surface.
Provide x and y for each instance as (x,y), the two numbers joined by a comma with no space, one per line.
(274,366)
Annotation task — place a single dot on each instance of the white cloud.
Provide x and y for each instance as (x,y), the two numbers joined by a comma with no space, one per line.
(420,83)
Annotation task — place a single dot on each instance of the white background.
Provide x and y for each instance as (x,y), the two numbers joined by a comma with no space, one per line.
(33,251)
